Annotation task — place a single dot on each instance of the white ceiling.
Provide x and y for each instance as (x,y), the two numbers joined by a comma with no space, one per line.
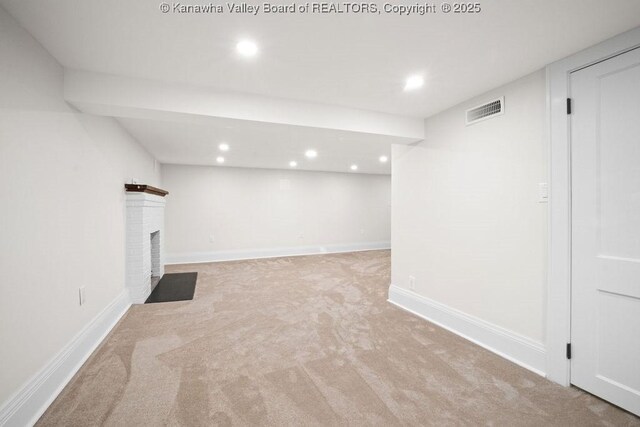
(349,60)
(262,145)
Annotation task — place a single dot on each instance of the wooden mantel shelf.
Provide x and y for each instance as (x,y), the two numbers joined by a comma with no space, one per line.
(141,188)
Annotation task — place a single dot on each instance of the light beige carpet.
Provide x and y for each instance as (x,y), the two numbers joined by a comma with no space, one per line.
(305,341)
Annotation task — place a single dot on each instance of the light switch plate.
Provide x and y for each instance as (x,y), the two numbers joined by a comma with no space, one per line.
(543,192)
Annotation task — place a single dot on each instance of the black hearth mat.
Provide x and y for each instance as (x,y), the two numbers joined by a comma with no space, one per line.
(174,287)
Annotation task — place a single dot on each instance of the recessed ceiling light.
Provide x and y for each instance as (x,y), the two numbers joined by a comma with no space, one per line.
(247,48)
(223,147)
(311,154)
(220,159)
(293,163)
(414,82)
(383,159)
(354,167)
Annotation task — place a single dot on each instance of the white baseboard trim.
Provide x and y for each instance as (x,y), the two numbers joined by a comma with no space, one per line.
(27,405)
(512,346)
(200,257)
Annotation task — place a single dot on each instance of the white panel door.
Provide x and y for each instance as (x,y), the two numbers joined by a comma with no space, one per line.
(605,286)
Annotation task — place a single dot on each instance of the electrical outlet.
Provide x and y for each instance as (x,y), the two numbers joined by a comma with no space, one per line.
(81,295)
(285,184)
(412,283)
(212,238)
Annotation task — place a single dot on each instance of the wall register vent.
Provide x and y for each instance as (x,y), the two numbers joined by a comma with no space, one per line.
(485,111)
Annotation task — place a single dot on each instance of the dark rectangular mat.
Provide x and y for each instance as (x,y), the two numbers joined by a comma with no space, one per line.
(174,287)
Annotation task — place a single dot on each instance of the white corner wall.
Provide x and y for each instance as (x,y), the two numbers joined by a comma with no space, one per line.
(467,224)
(218,213)
(63,225)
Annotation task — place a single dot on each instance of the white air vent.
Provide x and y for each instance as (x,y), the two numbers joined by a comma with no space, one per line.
(485,111)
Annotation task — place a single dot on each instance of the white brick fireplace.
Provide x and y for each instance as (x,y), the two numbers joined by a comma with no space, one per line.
(145,237)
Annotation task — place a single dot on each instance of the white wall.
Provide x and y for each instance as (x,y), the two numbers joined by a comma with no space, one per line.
(246,210)
(466,218)
(62,215)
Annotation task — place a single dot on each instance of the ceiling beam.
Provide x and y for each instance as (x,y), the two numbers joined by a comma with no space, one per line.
(118,96)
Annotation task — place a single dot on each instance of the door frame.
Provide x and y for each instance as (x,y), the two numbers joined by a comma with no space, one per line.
(558,316)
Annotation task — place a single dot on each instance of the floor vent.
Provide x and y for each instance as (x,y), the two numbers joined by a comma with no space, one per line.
(485,111)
